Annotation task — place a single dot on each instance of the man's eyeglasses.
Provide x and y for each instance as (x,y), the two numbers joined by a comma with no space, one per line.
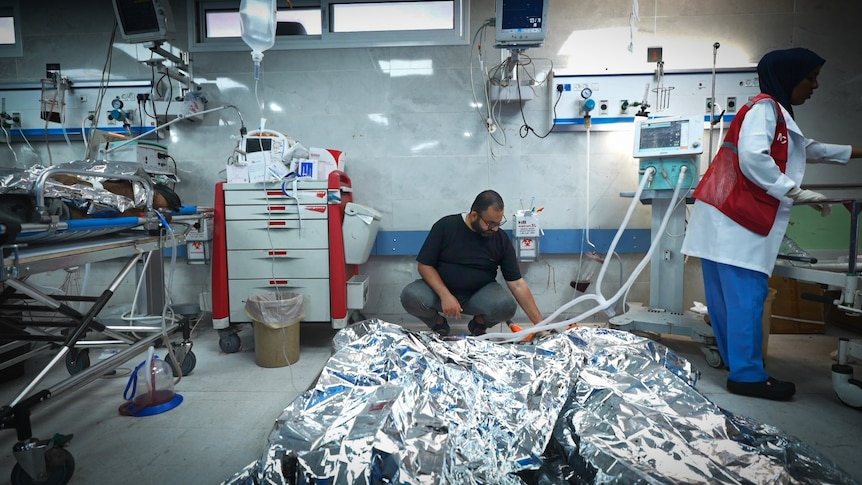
(492,225)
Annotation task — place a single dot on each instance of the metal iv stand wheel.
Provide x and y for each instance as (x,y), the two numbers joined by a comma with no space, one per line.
(848,389)
(185,356)
(57,468)
(229,341)
(713,357)
(77,360)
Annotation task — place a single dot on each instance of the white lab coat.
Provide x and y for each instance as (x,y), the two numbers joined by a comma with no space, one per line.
(712,235)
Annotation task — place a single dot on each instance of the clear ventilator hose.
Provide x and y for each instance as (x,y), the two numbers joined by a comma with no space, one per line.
(601,303)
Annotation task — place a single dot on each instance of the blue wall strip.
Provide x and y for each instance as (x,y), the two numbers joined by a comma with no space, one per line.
(554,241)
(72,131)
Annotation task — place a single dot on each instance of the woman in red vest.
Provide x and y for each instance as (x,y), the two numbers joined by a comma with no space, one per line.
(742,209)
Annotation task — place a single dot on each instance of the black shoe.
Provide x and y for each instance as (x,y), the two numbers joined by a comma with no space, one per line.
(442,328)
(768,389)
(476,328)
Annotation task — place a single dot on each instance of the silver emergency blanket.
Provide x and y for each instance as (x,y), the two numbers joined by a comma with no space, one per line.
(90,196)
(585,406)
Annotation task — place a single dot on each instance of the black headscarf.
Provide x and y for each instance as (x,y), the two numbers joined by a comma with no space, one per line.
(780,71)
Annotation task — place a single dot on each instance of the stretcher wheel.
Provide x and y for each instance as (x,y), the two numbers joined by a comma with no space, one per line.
(77,360)
(230,343)
(713,358)
(61,466)
(187,365)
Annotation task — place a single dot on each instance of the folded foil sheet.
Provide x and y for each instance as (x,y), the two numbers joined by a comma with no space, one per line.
(89,196)
(585,406)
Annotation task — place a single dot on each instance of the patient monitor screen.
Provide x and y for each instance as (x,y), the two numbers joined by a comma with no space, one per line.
(668,137)
(521,22)
(662,135)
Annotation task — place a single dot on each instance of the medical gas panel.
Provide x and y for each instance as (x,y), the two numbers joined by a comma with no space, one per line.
(614,100)
(66,109)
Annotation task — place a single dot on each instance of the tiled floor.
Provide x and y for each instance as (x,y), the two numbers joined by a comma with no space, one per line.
(230,404)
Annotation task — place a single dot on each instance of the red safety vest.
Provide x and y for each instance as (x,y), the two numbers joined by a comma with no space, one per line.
(724,186)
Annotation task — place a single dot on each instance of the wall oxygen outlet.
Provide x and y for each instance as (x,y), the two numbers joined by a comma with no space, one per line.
(10,120)
(624,106)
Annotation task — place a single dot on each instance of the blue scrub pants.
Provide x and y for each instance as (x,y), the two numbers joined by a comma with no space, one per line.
(735,298)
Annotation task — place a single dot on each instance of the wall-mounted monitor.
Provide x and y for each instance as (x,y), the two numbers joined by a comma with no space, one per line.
(521,23)
(144,20)
(670,136)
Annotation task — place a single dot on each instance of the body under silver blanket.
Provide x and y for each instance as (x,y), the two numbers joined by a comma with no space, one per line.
(586,406)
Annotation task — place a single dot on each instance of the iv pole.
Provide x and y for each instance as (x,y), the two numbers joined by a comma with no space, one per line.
(712,103)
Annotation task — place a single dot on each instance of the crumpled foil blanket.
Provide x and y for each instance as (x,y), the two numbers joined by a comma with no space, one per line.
(89,196)
(585,406)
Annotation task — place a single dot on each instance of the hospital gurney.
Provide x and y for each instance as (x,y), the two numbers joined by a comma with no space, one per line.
(837,274)
(80,242)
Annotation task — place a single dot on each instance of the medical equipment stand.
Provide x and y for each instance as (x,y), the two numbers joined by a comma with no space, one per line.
(665,312)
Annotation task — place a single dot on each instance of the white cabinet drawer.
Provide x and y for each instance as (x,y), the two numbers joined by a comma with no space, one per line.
(279,263)
(284,210)
(315,296)
(284,234)
(273,196)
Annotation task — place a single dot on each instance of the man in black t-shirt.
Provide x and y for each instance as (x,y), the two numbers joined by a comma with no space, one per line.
(458,264)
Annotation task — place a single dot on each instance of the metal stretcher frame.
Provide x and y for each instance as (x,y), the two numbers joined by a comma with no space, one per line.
(31,452)
(74,229)
(53,245)
(846,277)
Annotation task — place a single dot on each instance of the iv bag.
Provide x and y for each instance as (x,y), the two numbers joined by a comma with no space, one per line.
(257,25)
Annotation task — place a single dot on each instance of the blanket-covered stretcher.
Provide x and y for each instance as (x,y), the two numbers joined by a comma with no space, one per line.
(33,322)
(586,406)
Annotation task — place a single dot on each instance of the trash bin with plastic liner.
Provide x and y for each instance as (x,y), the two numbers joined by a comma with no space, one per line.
(275,317)
(360,228)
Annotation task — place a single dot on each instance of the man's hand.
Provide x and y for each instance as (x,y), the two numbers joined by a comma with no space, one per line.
(451,307)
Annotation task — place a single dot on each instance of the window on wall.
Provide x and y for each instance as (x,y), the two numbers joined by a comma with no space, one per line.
(313,24)
(10,30)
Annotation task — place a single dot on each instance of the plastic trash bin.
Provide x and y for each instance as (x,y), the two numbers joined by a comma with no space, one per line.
(275,317)
(360,228)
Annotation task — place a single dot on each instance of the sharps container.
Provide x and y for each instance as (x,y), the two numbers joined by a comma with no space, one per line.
(359,228)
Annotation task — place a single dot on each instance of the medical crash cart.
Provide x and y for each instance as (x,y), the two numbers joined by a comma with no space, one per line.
(304,236)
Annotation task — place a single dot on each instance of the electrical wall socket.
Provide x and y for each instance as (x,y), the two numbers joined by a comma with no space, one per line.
(603,106)
(730,104)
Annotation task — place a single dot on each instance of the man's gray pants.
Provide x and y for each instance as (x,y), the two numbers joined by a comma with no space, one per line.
(492,301)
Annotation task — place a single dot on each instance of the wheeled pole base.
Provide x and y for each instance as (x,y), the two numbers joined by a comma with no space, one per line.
(848,389)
